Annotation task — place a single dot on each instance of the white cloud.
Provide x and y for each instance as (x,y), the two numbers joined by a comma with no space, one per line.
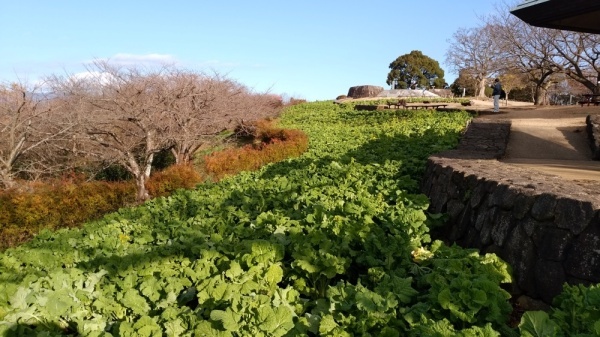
(96,76)
(125,59)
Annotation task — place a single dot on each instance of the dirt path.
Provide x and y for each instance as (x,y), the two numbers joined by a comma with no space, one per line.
(549,139)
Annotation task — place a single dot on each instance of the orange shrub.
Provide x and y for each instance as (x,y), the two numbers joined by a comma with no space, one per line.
(72,202)
(172,178)
(271,145)
(23,213)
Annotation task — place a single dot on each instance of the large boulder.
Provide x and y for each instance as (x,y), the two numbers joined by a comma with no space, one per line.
(362,91)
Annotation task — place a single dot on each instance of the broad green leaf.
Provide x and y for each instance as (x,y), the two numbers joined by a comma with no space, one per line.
(274,274)
(19,299)
(402,288)
(175,328)
(538,324)
(147,327)
(486,331)
(275,322)
(93,279)
(597,328)
(205,329)
(327,324)
(368,301)
(228,318)
(445,298)
(479,297)
(306,266)
(151,288)
(59,303)
(136,302)
(234,270)
(87,327)
(389,332)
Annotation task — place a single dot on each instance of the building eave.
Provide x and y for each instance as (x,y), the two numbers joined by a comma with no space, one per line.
(574,15)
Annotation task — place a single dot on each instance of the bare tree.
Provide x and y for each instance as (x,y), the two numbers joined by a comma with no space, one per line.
(475,51)
(123,116)
(34,131)
(207,106)
(528,49)
(127,115)
(581,55)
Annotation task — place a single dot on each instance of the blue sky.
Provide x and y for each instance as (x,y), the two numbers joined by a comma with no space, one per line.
(314,50)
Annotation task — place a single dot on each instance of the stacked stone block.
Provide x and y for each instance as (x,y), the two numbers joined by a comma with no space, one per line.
(546,228)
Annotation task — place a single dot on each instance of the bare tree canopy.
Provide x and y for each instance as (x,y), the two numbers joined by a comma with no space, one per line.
(581,55)
(128,115)
(528,50)
(475,51)
(207,105)
(504,44)
(33,133)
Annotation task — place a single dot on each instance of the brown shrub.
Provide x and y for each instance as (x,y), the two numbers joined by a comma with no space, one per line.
(270,145)
(295,101)
(71,202)
(174,177)
(57,204)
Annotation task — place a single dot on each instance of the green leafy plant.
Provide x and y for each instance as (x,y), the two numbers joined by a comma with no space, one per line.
(321,244)
(575,312)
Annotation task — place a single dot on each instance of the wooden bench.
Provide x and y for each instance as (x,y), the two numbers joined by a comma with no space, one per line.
(425,106)
(596,103)
(590,99)
(397,104)
(401,104)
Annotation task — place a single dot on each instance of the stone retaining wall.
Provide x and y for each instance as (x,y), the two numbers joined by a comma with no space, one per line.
(546,228)
(593,131)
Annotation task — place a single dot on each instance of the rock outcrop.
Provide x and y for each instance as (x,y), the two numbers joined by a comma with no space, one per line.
(363,91)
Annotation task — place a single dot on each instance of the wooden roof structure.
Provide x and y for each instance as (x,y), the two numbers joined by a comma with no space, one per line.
(574,15)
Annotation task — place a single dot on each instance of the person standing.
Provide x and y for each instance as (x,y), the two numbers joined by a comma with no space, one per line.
(496,90)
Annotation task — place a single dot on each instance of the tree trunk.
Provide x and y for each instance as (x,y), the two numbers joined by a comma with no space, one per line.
(141,191)
(541,93)
(140,176)
(6,179)
(181,157)
(481,88)
(538,96)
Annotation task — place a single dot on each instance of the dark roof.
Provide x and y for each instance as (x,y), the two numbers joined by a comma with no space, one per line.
(575,15)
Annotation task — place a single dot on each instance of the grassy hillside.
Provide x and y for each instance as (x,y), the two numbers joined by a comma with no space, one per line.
(333,243)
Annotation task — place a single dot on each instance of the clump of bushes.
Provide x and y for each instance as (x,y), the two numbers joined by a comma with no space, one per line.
(57,204)
(295,101)
(70,202)
(270,144)
(172,178)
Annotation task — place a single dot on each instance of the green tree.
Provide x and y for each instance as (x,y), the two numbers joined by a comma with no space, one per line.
(465,84)
(415,70)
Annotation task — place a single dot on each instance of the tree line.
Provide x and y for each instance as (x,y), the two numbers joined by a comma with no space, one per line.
(531,60)
(120,116)
(524,57)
